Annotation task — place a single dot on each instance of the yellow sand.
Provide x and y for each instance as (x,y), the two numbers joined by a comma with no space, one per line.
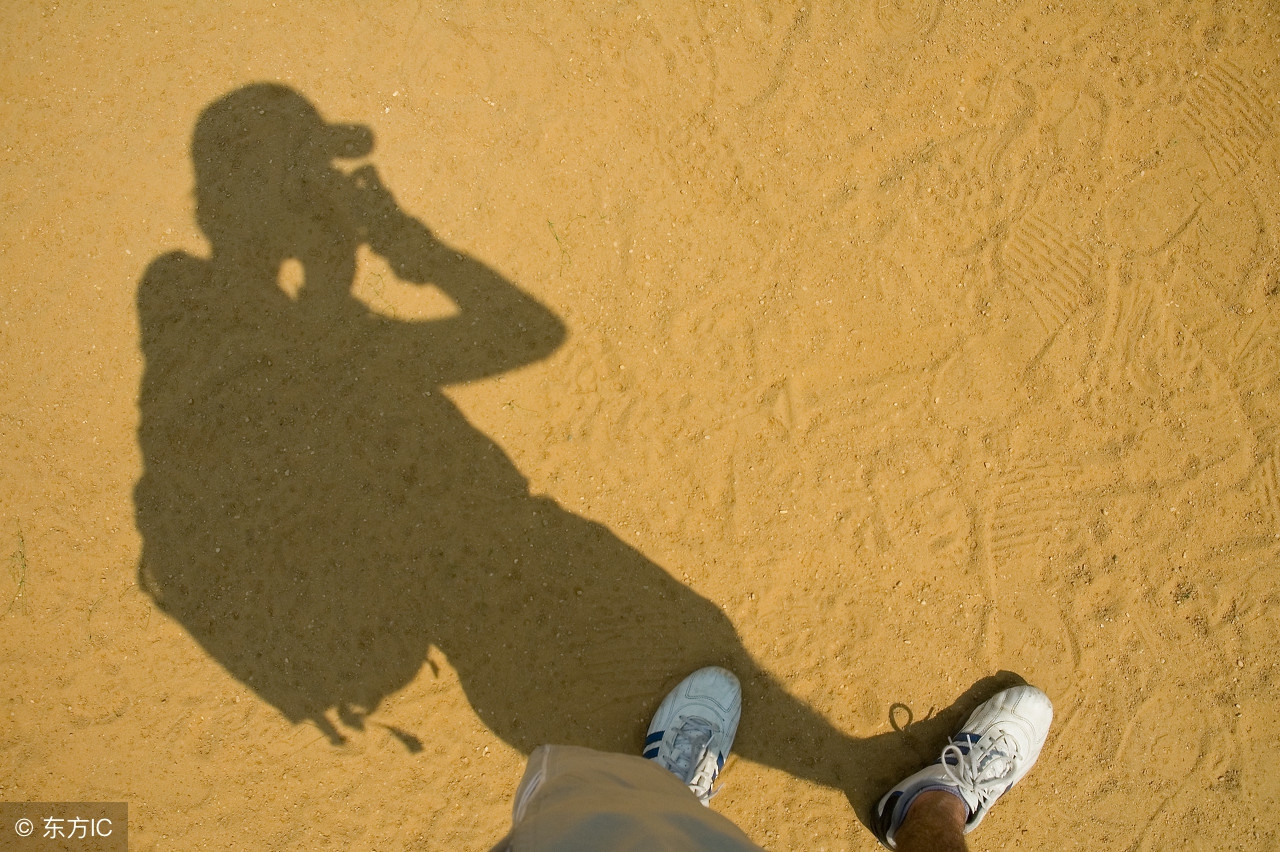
(887,349)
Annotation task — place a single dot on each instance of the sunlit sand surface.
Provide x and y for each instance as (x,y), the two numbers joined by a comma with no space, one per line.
(890,349)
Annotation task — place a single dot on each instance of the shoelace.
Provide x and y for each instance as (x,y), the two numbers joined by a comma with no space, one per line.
(983,774)
(704,775)
(692,760)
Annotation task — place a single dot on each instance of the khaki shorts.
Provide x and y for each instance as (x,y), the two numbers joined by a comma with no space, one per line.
(574,799)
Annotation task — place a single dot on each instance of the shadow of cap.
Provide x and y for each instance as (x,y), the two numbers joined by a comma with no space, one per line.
(268,118)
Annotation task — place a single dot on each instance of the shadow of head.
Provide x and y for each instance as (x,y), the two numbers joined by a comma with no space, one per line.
(264,164)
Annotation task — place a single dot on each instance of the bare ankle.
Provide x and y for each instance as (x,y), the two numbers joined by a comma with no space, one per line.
(934,822)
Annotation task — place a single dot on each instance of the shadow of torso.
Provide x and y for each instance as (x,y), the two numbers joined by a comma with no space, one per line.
(318,513)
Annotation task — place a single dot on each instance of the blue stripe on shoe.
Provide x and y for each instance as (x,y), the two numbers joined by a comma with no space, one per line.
(651,753)
(656,736)
(884,818)
(963,742)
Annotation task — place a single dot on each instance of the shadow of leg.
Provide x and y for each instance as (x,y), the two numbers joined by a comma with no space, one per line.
(562,633)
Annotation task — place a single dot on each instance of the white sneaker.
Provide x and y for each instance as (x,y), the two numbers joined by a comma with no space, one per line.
(694,728)
(994,749)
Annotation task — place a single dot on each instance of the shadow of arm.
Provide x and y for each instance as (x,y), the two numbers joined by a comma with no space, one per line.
(498,326)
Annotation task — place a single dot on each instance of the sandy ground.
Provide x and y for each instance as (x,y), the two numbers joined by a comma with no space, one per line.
(886,350)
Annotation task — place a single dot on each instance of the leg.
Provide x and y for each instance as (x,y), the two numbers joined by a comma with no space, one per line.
(934,823)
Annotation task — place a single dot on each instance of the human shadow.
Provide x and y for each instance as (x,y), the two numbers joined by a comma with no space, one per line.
(318,514)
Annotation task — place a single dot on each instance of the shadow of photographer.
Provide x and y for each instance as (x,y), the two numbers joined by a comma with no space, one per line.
(317,514)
